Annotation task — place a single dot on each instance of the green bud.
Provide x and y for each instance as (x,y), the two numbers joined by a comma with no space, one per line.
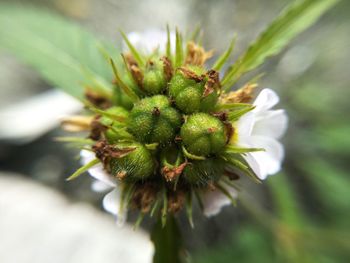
(137,165)
(120,98)
(113,124)
(153,120)
(200,173)
(187,88)
(154,81)
(203,134)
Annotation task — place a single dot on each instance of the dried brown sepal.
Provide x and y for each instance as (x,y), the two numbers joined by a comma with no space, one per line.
(97,99)
(76,123)
(176,201)
(189,74)
(229,130)
(196,55)
(243,95)
(167,68)
(129,58)
(137,75)
(212,84)
(105,151)
(144,196)
(171,174)
(96,129)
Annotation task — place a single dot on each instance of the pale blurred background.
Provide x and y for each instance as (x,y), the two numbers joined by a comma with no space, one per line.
(45,218)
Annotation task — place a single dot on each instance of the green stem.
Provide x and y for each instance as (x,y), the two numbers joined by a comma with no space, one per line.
(167,242)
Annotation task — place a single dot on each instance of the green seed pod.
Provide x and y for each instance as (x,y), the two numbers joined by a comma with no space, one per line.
(153,120)
(154,81)
(135,166)
(114,123)
(200,173)
(187,87)
(203,134)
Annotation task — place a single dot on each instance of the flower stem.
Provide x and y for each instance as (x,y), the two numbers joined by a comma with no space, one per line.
(167,242)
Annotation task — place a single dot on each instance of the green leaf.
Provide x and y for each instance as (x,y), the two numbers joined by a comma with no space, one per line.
(224,57)
(235,149)
(235,115)
(83,169)
(292,21)
(179,54)
(61,51)
(133,50)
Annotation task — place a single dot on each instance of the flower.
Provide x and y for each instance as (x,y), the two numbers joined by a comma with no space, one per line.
(183,136)
(261,128)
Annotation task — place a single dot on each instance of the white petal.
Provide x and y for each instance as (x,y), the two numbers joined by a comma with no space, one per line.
(245,125)
(100,187)
(270,160)
(214,201)
(253,164)
(96,171)
(149,40)
(111,203)
(266,99)
(271,123)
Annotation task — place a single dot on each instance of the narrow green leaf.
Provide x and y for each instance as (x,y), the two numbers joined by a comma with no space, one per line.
(223,190)
(235,162)
(234,149)
(235,115)
(168,44)
(105,113)
(179,55)
(165,208)
(232,106)
(155,207)
(78,140)
(59,50)
(83,169)
(139,220)
(133,50)
(191,156)
(132,95)
(225,56)
(293,20)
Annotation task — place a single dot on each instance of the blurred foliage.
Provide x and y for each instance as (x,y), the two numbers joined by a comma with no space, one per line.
(66,55)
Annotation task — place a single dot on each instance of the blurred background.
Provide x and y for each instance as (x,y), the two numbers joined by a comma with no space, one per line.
(300,215)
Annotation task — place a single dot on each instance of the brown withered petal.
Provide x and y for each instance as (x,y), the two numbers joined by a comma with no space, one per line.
(76,123)
(97,99)
(243,95)
(196,55)
(171,174)
(190,74)
(167,67)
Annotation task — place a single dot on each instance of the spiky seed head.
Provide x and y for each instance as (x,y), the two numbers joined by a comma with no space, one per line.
(154,120)
(203,134)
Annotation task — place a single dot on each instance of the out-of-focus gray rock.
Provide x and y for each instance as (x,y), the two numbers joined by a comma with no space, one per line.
(38,225)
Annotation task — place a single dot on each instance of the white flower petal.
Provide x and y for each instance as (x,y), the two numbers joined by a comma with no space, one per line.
(100,187)
(270,160)
(149,40)
(245,125)
(111,203)
(214,201)
(271,124)
(254,165)
(266,99)
(96,171)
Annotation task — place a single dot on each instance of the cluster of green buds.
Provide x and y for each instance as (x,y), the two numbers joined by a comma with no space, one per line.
(167,133)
